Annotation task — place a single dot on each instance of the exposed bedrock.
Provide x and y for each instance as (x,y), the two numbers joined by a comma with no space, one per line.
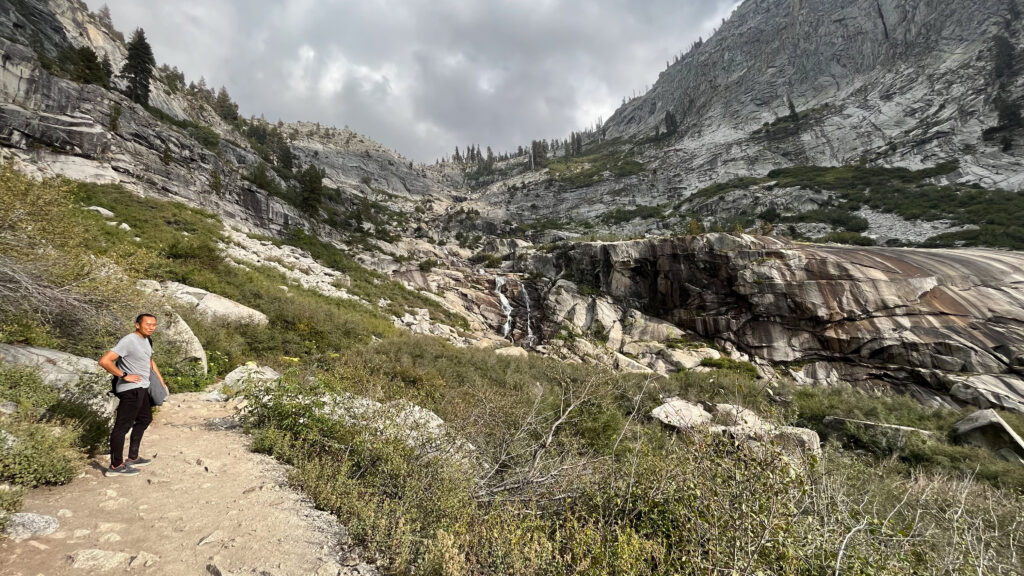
(951,321)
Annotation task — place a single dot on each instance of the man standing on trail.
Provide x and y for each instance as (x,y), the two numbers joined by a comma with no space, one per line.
(131,360)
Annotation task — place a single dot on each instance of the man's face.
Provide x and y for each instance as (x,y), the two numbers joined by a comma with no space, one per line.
(147,326)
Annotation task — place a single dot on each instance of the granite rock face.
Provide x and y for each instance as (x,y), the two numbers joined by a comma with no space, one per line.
(51,126)
(951,321)
(892,83)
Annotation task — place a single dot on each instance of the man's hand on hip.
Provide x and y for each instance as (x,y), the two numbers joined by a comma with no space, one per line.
(132,378)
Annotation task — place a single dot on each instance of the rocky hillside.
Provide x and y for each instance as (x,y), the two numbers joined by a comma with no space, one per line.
(440,248)
(178,146)
(471,391)
(890,83)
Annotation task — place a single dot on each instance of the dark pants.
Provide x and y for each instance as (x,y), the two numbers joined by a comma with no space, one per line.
(133,411)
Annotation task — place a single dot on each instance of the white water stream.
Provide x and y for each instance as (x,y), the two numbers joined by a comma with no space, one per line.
(505,306)
(529,328)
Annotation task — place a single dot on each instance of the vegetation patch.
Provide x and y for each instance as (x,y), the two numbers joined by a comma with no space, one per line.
(578,171)
(997,213)
(620,215)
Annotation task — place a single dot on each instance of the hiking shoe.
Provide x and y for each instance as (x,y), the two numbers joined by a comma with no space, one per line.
(122,470)
(138,462)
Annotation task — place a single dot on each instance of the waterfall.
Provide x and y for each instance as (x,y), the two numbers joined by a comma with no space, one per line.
(528,341)
(505,306)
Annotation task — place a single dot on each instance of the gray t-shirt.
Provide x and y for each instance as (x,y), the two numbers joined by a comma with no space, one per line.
(135,353)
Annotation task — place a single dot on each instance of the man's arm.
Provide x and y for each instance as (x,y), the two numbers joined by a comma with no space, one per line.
(152,365)
(109,363)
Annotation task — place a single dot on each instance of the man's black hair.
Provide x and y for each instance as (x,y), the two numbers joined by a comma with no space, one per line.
(138,319)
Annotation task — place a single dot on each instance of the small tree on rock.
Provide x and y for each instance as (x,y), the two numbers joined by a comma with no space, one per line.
(138,68)
(671,123)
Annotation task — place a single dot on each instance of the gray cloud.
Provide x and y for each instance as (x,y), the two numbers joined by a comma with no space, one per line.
(423,77)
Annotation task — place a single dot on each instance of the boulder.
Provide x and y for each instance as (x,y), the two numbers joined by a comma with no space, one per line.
(512,351)
(737,422)
(77,379)
(987,430)
(627,364)
(688,358)
(95,560)
(639,326)
(187,346)
(207,304)
(681,414)
(732,415)
(642,347)
(250,375)
(101,211)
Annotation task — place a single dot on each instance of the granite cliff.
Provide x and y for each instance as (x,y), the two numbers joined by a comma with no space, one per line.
(940,324)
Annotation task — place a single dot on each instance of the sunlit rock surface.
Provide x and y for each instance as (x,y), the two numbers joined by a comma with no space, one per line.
(951,321)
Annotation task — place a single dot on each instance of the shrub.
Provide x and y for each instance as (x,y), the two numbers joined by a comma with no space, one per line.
(52,287)
(486,260)
(38,454)
(852,238)
(726,363)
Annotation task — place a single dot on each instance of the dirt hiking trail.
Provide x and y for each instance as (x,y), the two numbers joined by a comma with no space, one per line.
(206,505)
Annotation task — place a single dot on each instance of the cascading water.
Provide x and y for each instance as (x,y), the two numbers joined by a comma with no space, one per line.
(528,341)
(505,306)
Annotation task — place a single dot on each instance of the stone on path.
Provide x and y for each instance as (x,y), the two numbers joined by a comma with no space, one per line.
(96,560)
(24,525)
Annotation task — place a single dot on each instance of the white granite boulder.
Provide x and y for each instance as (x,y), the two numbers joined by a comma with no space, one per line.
(512,352)
(207,304)
(737,422)
(986,429)
(250,375)
(77,379)
(187,346)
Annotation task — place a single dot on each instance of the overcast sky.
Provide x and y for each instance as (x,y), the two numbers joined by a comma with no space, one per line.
(421,76)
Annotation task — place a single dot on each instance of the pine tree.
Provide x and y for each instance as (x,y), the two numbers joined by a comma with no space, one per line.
(224,107)
(311,189)
(103,15)
(216,183)
(108,71)
(138,68)
(792,110)
(671,123)
(87,67)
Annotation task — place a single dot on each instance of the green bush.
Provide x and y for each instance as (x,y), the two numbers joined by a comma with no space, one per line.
(23,387)
(486,260)
(726,363)
(620,215)
(38,454)
(634,499)
(10,502)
